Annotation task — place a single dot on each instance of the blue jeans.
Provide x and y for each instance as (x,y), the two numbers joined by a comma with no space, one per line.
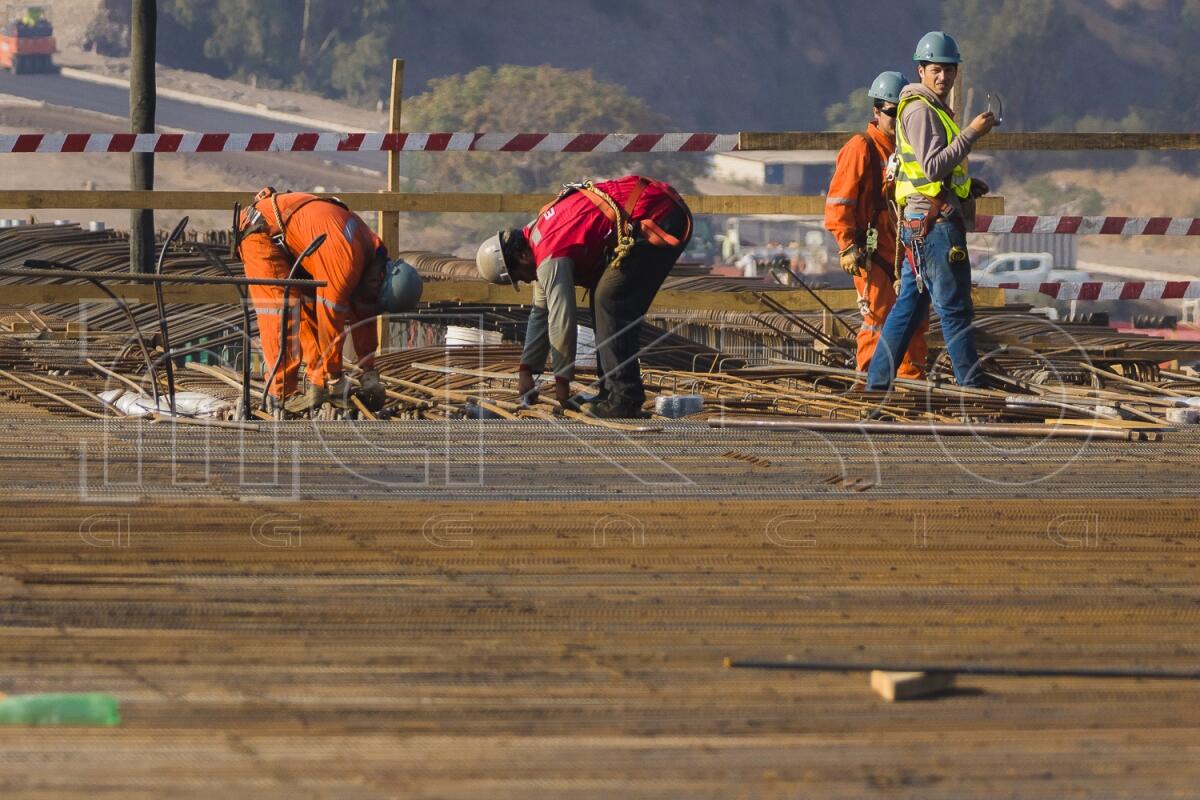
(949,286)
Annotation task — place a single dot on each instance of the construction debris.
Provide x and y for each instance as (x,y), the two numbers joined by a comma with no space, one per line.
(777,368)
(893,686)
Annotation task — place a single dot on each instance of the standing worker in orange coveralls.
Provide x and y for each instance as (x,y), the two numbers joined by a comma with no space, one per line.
(861,218)
(360,282)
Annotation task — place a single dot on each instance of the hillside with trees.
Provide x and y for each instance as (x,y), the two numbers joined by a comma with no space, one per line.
(756,64)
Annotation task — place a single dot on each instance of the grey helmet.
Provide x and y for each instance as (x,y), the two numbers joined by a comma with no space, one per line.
(887,87)
(401,287)
(937,47)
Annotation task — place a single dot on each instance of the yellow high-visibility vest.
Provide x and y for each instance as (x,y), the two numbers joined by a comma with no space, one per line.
(912,178)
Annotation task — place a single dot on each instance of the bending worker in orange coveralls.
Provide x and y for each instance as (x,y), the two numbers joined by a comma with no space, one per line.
(360,282)
(858,214)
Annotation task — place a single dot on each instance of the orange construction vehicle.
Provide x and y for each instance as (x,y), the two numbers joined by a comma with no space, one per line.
(27,42)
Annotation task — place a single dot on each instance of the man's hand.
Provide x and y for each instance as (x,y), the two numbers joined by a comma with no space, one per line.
(852,257)
(978,188)
(983,124)
(526,392)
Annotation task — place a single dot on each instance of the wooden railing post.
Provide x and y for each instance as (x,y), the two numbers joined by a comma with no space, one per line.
(389,221)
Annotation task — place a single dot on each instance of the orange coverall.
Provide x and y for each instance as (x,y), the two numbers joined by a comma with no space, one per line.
(316,323)
(853,194)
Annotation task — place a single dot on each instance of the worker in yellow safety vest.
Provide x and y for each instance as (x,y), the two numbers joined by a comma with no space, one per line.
(932,187)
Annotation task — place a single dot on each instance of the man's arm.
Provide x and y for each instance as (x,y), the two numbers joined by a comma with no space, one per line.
(924,131)
(537,342)
(841,204)
(556,277)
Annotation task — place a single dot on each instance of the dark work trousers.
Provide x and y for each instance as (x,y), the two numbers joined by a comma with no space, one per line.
(620,301)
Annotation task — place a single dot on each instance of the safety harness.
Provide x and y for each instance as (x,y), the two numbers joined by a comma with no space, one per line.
(869,239)
(626,229)
(257,223)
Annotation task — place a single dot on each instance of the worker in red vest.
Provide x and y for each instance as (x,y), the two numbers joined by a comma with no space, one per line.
(618,239)
(360,283)
(863,221)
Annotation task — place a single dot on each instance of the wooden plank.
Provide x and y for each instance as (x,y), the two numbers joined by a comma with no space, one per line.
(471,292)
(51,293)
(893,686)
(997,140)
(455,202)
(492,294)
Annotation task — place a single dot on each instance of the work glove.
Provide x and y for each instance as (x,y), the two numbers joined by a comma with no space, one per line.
(978,188)
(852,257)
(526,391)
(371,391)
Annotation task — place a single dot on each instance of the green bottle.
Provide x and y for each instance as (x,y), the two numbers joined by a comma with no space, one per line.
(94,708)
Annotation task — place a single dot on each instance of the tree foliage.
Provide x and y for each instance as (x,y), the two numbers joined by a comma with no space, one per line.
(514,99)
(1015,47)
(337,47)
(851,114)
(521,99)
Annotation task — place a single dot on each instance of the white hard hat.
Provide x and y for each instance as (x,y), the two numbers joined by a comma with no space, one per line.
(489,260)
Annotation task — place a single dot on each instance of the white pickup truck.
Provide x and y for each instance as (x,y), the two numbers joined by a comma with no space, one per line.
(1025,268)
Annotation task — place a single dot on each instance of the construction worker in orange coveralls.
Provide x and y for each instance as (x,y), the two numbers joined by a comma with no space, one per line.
(354,264)
(859,215)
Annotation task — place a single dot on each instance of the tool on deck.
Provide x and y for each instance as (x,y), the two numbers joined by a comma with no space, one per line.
(966,669)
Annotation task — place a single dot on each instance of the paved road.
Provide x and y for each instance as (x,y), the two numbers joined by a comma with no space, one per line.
(61,91)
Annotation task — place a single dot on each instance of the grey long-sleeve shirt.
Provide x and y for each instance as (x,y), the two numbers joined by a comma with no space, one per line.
(551,328)
(938,158)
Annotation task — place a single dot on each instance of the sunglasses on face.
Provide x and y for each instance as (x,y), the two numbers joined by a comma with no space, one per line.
(891,112)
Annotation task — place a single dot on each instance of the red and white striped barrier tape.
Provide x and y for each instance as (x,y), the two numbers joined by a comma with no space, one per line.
(1118,226)
(1113,290)
(351,142)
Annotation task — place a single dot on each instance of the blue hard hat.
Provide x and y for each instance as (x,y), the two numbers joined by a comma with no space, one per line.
(938,47)
(887,87)
(401,287)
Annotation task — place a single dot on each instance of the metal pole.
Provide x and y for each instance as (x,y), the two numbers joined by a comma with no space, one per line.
(142,95)
(925,429)
(967,669)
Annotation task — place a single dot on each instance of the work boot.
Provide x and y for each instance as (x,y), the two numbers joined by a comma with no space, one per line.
(339,393)
(613,408)
(314,398)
